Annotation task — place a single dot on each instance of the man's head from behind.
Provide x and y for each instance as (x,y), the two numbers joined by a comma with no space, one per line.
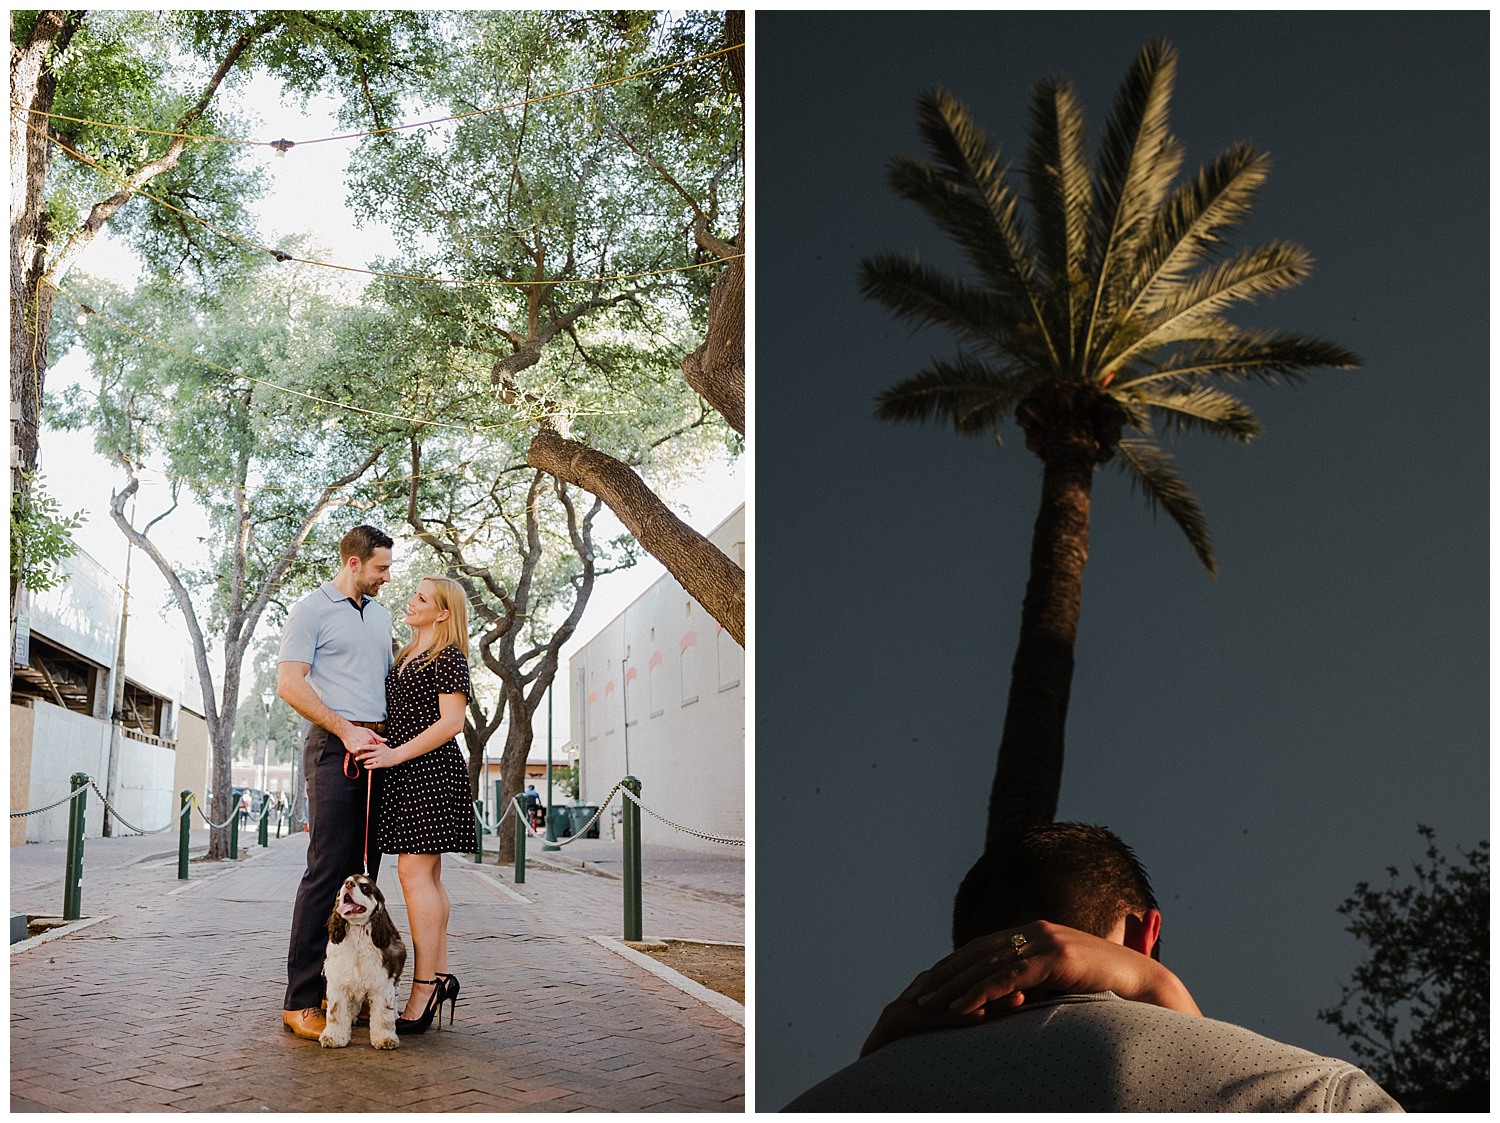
(1069,873)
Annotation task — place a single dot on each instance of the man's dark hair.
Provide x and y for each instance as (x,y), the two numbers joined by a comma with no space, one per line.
(1069,873)
(363,541)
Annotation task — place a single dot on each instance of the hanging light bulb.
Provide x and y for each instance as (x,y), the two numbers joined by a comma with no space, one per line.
(283,145)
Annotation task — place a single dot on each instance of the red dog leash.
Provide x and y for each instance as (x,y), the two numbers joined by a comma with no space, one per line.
(352,762)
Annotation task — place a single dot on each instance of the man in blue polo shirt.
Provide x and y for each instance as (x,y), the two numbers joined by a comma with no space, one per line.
(335,651)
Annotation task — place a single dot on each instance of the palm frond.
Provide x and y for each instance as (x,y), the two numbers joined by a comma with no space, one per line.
(1252,273)
(960,213)
(972,395)
(1138,160)
(922,294)
(1186,230)
(1266,356)
(1151,467)
(1203,408)
(978,208)
(1061,202)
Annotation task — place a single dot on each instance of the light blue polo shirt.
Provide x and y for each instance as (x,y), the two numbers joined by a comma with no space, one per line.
(349,650)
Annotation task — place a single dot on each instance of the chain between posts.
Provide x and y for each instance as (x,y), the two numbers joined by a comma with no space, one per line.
(582,831)
(50,806)
(727,841)
(121,819)
(212,825)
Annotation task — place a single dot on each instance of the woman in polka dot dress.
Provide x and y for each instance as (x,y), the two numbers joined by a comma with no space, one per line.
(425,807)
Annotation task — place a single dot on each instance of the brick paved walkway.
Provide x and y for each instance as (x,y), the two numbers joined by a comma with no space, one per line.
(174,1002)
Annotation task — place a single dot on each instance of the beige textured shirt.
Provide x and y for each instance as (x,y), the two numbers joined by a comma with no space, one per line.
(1095,1052)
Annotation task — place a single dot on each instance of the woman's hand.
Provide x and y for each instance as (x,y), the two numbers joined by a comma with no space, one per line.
(987,974)
(382,756)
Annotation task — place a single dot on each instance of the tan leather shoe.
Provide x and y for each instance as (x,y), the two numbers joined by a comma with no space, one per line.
(304,1023)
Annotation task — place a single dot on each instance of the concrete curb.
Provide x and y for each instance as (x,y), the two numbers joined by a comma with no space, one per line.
(57,933)
(711,998)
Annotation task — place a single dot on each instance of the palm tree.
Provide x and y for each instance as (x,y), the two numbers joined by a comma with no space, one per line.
(1104,315)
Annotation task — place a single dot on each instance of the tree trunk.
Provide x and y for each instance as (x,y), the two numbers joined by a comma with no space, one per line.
(705,571)
(716,369)
(1073,429)
(518,738)
(33,85)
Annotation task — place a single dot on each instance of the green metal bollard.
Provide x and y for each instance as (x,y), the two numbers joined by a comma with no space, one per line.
(73,878)
(265,824)
(520,805)
(184,833)
(499,816)
(234,835)
(632,826)
(478,836)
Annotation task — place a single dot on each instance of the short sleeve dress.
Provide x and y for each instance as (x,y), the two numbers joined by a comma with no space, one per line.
(424,803)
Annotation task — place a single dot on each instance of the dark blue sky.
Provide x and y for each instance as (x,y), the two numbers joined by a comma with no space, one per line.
(1264,741)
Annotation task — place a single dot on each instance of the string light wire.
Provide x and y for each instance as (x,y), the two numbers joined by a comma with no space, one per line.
(281,255)
(282,145)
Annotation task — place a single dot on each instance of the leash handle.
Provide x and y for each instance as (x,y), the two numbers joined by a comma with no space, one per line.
(369,792)
(351,763)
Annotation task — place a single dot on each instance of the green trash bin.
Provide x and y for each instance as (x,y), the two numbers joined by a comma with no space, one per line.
(582,813)
(561,820)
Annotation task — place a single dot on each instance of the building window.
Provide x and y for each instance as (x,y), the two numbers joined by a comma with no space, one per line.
(689,653)
(654,684)
(731,659)
(54,674)
(144,713)
(632,698)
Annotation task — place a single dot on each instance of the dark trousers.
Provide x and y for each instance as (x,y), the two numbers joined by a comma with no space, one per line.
(335,849)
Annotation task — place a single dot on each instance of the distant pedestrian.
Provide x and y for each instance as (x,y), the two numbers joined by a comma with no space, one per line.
(245,808)
(533,806)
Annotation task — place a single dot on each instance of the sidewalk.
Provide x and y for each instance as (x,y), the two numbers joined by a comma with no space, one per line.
(173,1002)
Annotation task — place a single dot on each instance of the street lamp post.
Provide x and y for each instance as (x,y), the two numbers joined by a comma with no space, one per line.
(551,843)
(267,696)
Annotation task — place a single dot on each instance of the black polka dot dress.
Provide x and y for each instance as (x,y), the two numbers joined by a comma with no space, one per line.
(424,803)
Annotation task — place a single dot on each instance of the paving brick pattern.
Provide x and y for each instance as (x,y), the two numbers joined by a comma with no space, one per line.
(174,1003)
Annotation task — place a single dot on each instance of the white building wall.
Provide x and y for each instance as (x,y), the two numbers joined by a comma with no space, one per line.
(146,795)
(64,742)
(659,694)
(82,614)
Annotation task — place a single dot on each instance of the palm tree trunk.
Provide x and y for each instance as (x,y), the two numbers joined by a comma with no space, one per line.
(1028,775)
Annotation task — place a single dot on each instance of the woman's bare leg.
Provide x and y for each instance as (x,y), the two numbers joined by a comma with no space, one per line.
(427,911)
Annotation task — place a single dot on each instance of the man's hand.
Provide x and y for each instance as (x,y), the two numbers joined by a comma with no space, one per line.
(987,975)
(360,739)
(1053,959)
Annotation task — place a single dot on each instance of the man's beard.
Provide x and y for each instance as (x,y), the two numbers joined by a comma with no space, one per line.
(368,588)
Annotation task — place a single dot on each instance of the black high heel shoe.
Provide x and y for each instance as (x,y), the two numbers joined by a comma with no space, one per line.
(449,987)
(421,1023)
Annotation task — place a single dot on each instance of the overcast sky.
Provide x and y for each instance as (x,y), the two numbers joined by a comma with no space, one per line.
(1264,741)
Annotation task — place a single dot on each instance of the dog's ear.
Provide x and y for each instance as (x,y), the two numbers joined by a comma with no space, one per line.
(338,928)
(383,935)
(383,929)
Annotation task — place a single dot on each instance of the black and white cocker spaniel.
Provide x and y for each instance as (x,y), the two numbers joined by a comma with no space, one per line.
(364,962)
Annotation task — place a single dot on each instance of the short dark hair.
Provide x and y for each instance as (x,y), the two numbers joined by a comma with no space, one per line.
(363,541)
(1069,873)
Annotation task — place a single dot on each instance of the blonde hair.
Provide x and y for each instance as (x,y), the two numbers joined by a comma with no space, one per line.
(448,595)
